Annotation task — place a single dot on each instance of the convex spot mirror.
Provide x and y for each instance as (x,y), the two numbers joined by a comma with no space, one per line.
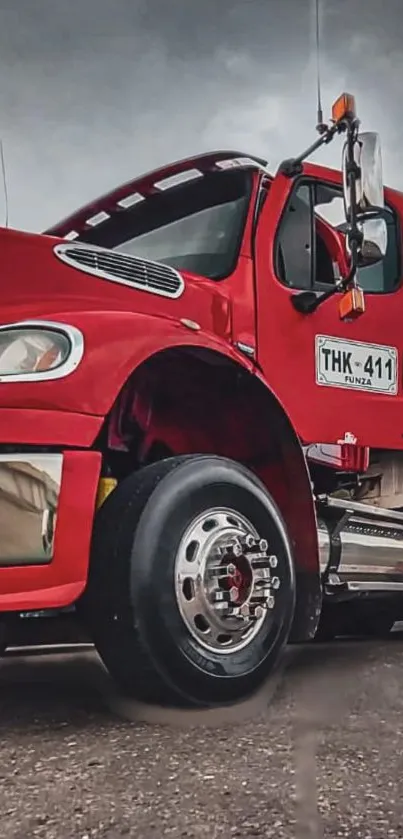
(370,202)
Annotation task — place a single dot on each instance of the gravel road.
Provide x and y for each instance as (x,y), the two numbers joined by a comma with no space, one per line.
(320,758)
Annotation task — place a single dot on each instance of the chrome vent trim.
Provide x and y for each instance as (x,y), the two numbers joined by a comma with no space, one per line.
(117,267)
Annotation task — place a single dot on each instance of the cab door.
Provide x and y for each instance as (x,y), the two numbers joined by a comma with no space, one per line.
(336,380)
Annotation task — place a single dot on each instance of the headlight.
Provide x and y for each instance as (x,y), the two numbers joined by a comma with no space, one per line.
(28,352)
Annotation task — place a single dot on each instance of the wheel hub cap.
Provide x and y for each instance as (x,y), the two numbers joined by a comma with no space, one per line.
(225,580)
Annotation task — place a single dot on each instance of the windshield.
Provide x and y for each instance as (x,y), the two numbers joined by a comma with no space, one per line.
(196,226)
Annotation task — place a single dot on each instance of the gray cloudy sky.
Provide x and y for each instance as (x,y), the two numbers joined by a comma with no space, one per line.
(93,92)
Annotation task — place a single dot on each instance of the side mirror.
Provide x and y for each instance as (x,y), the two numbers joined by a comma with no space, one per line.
(374,243)
(368,199)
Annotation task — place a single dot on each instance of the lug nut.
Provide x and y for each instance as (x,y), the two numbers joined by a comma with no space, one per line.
(250,541)
(221,597)
(275,583)
(260,561)
(264,581)
(270,602)
(273,561)
(236,550)
(233,594)
(258,599)
(259,612)
(219,571)
(254,550)
(222,607)
(222,571)
(264,591)
(263,544)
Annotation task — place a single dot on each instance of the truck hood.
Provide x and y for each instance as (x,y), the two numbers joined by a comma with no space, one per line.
(41,275)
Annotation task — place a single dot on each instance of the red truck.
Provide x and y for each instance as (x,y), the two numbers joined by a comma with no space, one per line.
(201,416)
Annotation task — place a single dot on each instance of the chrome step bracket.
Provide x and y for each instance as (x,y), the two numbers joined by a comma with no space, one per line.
(356,507)
(374,586)
(346,589)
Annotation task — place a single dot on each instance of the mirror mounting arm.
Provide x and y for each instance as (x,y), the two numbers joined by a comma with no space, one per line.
(293,167)
(353,173)
(306,302)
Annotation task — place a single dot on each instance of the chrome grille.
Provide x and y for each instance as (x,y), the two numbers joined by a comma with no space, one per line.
(121,268)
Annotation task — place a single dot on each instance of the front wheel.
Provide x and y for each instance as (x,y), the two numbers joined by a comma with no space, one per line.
(191,591)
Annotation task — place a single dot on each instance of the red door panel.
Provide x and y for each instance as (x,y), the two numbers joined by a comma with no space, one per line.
(319,381)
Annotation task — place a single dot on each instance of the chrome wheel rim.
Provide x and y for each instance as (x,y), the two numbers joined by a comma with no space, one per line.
(226,580)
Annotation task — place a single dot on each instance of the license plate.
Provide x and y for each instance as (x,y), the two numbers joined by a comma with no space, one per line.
(356,365)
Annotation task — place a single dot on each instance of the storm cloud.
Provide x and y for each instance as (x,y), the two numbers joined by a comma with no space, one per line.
(93,92)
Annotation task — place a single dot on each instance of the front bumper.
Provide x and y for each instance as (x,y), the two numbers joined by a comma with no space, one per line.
(35,428)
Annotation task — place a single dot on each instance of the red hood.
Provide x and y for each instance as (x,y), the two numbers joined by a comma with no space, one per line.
(34,282)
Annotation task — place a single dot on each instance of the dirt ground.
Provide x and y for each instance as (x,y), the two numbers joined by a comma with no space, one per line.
(322,757)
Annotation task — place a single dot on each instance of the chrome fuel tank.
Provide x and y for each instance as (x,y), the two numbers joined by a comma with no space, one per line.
(366,546)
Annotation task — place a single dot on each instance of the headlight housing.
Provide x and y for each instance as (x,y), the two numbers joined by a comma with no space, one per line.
(39,350)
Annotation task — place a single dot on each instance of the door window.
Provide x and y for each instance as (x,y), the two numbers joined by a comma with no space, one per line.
(304,257)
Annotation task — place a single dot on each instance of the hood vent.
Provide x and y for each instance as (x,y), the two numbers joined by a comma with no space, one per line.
(132,271)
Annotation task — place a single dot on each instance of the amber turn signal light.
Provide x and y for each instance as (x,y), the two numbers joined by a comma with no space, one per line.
(352,304)
(344,108)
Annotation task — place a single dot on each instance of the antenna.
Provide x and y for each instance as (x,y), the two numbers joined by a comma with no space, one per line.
(3,171)
(320,126)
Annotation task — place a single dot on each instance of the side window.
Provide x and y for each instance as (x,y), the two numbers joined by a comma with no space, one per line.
(304,256)
(296,239)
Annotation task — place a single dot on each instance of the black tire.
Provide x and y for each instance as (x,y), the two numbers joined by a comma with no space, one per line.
(130,604)
(3,637)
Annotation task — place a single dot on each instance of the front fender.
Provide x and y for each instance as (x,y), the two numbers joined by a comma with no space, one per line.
(116,343)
